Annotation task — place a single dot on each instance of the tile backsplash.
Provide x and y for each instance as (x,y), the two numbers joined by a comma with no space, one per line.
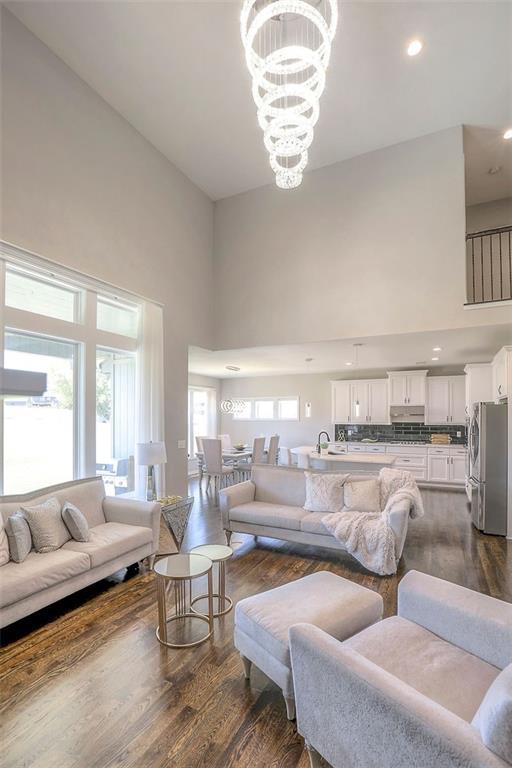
(403,431)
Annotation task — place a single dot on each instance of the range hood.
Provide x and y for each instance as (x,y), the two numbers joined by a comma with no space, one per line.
(22,383)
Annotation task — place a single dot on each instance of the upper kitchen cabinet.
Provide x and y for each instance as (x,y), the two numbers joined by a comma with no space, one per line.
(502,374)
(340,402)
(360,402)
(446,400)
(478,384)
(407,387)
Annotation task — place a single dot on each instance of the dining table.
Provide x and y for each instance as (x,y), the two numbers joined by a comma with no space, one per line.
(229,456)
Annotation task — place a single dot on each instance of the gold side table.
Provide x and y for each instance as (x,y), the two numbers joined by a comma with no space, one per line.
(176,573)
(217,553)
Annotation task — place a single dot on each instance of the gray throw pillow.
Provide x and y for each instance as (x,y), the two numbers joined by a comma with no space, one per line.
(75,522)
(18,534)
(494,716)
(46,525)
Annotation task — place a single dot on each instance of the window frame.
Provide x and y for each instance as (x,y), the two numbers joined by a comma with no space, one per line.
(276,400)
(82,332)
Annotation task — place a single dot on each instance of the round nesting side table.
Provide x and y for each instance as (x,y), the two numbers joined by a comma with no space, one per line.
(217,553)
(176,571)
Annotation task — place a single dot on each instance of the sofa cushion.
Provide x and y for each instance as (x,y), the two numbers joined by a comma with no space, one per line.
(312,523)
(334,604)
(110,540)
(18,534)
(453,678)
(46,525)
(324,491)
(362,495)
(494,716)
(274,515)
(279,485)
(75,522)
(39,571)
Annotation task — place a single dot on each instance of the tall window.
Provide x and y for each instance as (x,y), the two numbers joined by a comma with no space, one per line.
(115,430)
(85,340)
(39,432)
(202,411)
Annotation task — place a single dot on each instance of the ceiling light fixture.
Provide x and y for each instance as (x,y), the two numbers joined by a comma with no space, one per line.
(508,134)
(232,368)
(495,169)
(435,358)
(436,349)
(349,363)
(414,47)
(287,49)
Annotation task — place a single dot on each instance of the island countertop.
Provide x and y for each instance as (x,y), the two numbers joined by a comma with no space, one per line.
(384,459)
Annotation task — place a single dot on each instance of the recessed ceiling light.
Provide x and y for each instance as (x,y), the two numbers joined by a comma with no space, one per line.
(436,349)
(308,359)
(414,47)
(232,368)
(348,363)
(435,358)
(508,134)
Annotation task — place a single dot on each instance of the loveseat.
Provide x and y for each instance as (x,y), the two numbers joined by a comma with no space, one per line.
(122,532)
(272,502)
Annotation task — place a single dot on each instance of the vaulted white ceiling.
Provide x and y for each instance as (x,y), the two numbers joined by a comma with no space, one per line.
(176,72)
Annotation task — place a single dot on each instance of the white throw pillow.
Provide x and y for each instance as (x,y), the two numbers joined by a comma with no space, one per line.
(324,491)
(362,495)
(46,525)
(493,718)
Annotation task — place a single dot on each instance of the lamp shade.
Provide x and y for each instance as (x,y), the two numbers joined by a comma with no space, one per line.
(149,454)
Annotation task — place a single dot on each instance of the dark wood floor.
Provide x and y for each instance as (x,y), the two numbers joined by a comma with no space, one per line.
(85,684)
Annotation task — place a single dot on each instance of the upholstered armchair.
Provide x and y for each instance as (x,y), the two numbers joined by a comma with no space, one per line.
(425,689)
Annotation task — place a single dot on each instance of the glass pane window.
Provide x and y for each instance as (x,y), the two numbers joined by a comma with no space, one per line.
(117,317)
(263,409)
(39,431)
(44,297)
(288,409)
(244,409)
(198,416)
(115,420)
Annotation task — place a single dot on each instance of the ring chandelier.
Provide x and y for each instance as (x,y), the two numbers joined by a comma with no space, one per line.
(287,49)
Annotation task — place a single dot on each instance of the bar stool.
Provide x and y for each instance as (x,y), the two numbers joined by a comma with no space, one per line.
(217,553)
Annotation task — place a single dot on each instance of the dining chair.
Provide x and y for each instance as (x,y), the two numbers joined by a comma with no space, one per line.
(285,457)
(213,466)
(226,442)
(273,449)
(243,468)
(200,458)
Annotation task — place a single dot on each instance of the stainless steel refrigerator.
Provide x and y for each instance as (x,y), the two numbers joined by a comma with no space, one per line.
(487,470)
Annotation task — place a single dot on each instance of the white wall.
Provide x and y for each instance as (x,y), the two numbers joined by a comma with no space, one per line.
(497,213)
(82,187)
(372,245)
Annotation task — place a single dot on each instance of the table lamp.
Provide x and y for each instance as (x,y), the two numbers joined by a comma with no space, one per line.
(148,455)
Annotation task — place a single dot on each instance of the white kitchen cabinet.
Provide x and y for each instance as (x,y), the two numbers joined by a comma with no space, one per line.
(458,469)
(340,400)
(501,368)
(446,400)
(478,384)
(439,468)
(407,387)
(378,403)
(359,402)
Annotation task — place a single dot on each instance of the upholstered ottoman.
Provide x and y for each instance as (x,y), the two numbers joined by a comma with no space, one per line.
(334,604)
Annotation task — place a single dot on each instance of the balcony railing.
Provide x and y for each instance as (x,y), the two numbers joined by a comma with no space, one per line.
(489,266)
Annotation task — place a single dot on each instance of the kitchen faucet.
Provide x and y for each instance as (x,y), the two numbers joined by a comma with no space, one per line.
(323,432)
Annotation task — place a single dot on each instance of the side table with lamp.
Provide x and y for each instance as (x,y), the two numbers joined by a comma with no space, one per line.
(150,455)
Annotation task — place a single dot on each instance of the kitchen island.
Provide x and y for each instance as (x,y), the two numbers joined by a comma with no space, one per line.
(352,462)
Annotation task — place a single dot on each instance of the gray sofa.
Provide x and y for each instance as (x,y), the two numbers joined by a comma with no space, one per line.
(122,532)
(271,504)
(404,691)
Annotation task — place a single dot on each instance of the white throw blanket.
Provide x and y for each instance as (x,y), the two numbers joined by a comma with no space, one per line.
(368,536)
